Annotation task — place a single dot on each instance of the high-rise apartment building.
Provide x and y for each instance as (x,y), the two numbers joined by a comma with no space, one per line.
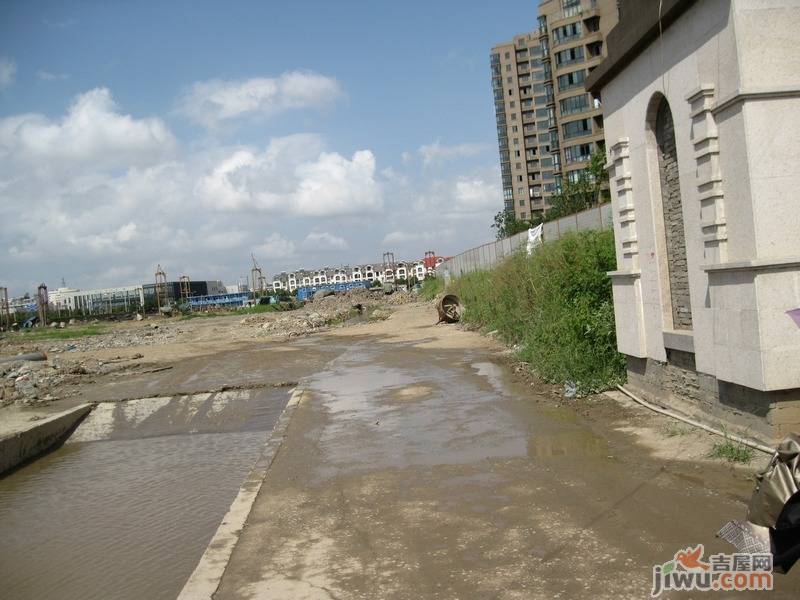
(548,125)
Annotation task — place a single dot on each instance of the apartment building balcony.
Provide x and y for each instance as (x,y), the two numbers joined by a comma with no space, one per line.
(523,69)
(585,10)
(591,37)
(526,93)
(528,118)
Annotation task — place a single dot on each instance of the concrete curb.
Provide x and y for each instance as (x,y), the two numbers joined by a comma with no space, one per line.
(39,436)
(204,581)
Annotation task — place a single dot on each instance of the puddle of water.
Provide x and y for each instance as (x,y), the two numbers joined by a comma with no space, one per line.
(129,515)
(368,428)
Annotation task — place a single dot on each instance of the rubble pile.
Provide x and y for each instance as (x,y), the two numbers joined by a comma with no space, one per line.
(153,335)
(317,314)
(400,297)
(32,383)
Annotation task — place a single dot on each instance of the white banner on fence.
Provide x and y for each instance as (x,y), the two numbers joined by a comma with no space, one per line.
(535,237)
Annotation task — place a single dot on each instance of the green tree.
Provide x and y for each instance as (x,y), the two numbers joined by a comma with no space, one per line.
(506,224)
(587,191)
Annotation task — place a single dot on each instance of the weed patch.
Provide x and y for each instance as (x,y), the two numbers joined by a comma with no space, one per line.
(68,333)
(732,451)
(556,305)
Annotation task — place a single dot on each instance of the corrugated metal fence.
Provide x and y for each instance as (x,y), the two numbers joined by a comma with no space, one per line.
(488,255)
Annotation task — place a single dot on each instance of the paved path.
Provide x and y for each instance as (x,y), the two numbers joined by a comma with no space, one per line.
(413,467)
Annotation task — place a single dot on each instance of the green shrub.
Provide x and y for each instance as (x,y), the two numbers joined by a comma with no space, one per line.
(556,305)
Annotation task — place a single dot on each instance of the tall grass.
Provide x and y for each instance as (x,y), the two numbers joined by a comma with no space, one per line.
(556,305)
(431,287)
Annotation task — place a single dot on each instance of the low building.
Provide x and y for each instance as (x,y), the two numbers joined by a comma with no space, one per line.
(702,112)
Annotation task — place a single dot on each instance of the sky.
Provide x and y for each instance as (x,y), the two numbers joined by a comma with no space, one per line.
(192,134)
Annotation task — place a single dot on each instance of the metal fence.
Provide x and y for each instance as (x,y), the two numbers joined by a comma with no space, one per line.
(488,255)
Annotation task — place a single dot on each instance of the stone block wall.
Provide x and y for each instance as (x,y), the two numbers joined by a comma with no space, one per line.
(673,219)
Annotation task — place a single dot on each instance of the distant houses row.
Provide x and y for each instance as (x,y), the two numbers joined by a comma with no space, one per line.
(419,269)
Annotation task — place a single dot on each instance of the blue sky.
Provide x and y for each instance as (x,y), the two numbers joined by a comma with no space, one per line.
(192,133)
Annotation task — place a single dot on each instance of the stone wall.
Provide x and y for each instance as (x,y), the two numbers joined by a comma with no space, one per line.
(673,219)
(676,384)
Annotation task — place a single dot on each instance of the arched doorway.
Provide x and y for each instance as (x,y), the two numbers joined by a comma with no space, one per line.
(674,233)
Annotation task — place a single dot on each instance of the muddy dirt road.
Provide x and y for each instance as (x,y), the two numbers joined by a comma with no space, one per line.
(416,464)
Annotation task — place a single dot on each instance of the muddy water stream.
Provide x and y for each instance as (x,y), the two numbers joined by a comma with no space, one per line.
(125,509)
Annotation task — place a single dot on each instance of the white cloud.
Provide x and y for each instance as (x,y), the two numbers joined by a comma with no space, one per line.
(105,242)
(224,240)
(275,246)
(465,195)
(322,240)
(8,68)
(414,238)
(48,76)
(293,177)
(210,103)
(93,131)
(437,152)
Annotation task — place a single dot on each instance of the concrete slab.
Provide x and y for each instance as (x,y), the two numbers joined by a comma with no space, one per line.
(26,440)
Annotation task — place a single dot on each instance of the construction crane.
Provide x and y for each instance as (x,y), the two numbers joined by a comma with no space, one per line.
(259,281)
(186,288)
(161,288)
(42,302)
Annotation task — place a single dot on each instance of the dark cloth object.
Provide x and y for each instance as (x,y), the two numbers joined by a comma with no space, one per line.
(785,536)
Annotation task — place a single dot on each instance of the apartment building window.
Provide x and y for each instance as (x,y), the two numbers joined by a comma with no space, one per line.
(577,128)
(509,80)
(571,80)
(516,152)
(575,104)
(519,178)
(521,200)
(576,175)
(512,104)
(570,7)
(508,55)
(566,32)
(508,194)
(516,141)
(518,166)
(523,215)
(513,116)
(578,153)
(543,24)
(569,56)
(514,129)
(520,191)
(508,68)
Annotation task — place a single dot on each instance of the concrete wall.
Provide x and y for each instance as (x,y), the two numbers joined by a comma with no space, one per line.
(487,256)
(730,71)
(38,436)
